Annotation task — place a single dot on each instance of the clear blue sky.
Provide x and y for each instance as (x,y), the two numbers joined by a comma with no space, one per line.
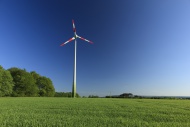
(140,46)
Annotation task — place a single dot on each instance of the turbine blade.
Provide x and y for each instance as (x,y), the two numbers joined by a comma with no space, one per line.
(74,29)
(67,41)
(85,39)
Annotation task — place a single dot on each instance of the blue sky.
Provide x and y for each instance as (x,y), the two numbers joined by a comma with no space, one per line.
(140,46)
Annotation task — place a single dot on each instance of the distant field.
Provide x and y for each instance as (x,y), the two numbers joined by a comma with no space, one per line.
(91,112)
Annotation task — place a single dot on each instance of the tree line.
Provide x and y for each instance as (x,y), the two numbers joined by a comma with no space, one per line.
(18,82)
(65,94)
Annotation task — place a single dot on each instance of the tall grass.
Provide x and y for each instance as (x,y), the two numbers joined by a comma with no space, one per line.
(91,112)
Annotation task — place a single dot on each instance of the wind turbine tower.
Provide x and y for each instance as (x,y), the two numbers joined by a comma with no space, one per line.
(75,55)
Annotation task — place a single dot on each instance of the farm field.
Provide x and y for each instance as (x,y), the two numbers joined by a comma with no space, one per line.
(93,112)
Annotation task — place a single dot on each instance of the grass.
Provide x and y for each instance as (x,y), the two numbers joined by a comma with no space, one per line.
(93,112)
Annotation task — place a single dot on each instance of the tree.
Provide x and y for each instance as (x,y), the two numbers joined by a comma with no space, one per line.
(6,82)
(35,75)
(45,87)
(24,83)
(126,95)
(44,84)
(93,96)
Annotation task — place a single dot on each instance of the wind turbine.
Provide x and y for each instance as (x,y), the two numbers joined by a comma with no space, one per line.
(75,53)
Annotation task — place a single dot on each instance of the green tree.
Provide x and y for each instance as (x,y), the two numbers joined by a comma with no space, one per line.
(6,82)
(93,96)
(45,87)
(24,83)
(126,95)
(35,75)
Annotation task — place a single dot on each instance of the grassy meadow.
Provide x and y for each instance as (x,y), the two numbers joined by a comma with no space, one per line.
(93,112)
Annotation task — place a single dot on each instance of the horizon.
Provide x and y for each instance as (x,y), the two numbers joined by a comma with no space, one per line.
(140,47)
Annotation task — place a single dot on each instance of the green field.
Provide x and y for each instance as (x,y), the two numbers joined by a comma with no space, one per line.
(91,112)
